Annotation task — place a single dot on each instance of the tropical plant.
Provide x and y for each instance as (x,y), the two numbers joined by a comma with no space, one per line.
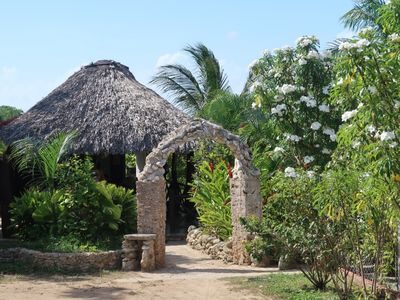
(228,110)
(192,90)
(212,198)
(364,13)
(9,112)
(39,160)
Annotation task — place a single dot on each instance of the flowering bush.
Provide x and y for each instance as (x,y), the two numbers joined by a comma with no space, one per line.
(291,87)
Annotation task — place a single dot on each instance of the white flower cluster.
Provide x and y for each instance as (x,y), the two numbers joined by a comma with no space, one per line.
(315,125)
(313,55)
(254,86)
(256,105)
(329,131)
(302,61)
(387,136)
(253,64)
(308,159)
(290,172)
(292,137)
(366,30)
(305,41)
(287,89)
(324,108)
(395,37)
(349,114)
(357,45)
(309,101)
(278,150)
(325,90)
(278,109)
(373,90)
(326,151)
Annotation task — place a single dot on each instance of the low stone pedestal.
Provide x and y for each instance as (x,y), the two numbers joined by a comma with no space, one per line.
(138,252)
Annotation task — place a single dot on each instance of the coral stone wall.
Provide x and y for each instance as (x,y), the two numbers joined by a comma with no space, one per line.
(210,245)
(66,261)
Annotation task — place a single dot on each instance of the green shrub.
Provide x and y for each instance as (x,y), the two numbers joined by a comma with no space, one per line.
(211,197)
(80,207)
(292,226)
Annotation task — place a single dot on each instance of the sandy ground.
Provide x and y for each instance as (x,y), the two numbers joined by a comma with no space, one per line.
(189,274)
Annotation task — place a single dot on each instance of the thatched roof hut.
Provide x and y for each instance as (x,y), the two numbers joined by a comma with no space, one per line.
(111,112)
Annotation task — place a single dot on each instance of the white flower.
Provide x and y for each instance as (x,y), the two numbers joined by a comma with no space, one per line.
(315,125)
(340,81)
(302,61)
(266,53)
(328,131)
(362,43)
(387,136)
(393,145)
(332,137)
(254,86)
(370,128)
(286,89)
(356,144)
(278,109)
(309,101)
(348,115)
(360,105)
(396,104)
(278,149)
(372,90)
(357,45)
(290,172)
(313,55)
(253,64)
(308,159)
(292,137)
(326,151)
(366,30)
(324,108)
(304,41)
(278,97)
(325,90)
(310,174)
(254,105)
(394,37)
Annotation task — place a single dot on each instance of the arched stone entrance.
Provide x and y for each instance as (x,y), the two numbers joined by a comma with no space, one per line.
(244,185)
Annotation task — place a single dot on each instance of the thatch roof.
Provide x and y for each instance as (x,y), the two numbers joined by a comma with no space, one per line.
(111,112)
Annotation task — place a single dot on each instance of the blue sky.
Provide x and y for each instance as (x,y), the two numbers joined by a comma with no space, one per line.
(44,42)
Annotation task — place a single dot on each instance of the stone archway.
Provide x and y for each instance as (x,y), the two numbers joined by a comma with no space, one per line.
(244,186)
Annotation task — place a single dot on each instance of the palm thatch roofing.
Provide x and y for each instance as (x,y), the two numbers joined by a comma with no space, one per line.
(110,111)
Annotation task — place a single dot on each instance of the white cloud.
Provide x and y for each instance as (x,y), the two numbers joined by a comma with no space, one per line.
(169,59)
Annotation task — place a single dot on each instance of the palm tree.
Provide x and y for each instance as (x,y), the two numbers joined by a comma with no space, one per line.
(192,90)
(364,13)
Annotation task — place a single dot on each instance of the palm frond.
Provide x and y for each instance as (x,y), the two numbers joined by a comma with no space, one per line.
(364,13)
(212,76)
(179,82)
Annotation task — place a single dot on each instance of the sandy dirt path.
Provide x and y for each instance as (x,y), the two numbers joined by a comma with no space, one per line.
(189,274)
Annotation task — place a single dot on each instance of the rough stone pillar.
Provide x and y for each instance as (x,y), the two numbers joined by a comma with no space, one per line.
(140,161)
(245,202)
(151,210)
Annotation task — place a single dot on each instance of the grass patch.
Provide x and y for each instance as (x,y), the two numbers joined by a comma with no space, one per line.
(285,286)
(64,244)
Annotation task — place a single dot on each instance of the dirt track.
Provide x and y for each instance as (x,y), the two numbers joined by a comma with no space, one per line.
(189,274)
